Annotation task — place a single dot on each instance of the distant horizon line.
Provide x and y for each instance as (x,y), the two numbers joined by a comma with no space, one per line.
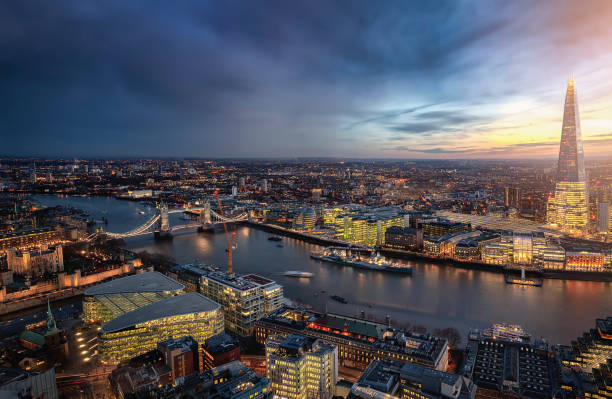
(281,158)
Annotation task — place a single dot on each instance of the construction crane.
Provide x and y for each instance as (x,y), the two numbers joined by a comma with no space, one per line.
(230,241)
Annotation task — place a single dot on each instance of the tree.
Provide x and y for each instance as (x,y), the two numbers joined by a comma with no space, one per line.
(451,334)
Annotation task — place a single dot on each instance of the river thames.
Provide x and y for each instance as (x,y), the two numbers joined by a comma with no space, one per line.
(434,296)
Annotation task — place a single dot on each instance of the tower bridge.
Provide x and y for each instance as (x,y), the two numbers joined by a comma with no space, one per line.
(159,224)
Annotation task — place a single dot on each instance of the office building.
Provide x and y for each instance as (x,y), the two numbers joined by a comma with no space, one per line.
(603,217)
(180,355)
(305,219)
(515,248)
(512,197)
(442,227)
(139,331)
(218,350)
(300,367)
(386,379)
(587,256)
(359,341)
(509,368)
(245,299)
(109,300)
(29,238)
(404,238)
(568,208)
(592,349)
(230,381)
(553,258)
(367,226)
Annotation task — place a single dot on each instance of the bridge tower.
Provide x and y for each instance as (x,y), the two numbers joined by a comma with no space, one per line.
(206,218)
(162,231)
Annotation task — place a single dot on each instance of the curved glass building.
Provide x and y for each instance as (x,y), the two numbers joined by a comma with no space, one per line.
(106,301)
(139,331)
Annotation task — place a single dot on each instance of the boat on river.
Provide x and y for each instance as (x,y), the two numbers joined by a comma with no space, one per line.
(524,280)
(507,332)
(298,274)
(338,298)
(344,256)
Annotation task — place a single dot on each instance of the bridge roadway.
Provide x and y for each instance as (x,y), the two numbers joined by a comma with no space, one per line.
(145,227)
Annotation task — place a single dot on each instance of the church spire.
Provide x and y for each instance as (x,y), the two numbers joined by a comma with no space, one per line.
(51,326)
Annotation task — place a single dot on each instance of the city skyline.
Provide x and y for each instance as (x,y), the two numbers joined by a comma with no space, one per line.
(384,81)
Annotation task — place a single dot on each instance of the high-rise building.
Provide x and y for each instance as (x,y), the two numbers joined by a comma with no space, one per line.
(569,208)
(603,217)
(512,197)
(244,298)
(300,367)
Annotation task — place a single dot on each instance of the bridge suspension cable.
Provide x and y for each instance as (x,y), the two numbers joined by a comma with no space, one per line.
(144,228)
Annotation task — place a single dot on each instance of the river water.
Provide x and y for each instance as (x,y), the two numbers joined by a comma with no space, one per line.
(434,297)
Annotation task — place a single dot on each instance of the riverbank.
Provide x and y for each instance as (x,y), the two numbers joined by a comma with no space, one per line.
(412,255)
(294,234)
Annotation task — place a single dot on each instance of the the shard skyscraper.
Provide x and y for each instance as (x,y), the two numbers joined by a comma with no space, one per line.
(569,208)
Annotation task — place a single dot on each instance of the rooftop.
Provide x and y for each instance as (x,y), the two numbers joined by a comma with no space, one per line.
(173,306)
(496,223)
(235,281)
(385,379)
(377,335)
(25,232)
(358,326)
(137,283)
(604,326)
(220,343)
(185,343)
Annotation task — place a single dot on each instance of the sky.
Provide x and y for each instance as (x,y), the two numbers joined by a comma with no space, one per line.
(276,79)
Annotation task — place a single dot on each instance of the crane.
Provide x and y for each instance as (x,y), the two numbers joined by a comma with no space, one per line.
(230,241)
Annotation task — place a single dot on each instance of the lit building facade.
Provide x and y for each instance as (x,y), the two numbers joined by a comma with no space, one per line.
(245,299)
(365,226)
(515,248)
(358,341)
(305,219)
(553,258)
(569,208)
(299,367)
(112,299)
(140,330)
(591,350)
(36,262)
(29,238)
(603,217)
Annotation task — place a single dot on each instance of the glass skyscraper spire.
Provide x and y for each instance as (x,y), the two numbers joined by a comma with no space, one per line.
(569,207)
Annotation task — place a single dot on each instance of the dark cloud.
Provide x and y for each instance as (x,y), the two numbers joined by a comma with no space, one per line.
(270,78)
